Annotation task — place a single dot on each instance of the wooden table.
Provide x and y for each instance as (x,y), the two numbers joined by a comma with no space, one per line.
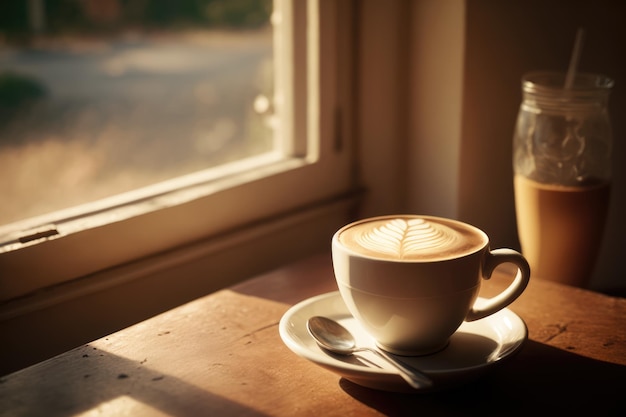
(222,355)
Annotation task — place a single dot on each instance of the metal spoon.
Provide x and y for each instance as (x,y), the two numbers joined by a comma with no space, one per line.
(334,337)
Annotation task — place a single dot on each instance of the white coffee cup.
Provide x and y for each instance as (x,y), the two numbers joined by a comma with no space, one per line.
(412,280)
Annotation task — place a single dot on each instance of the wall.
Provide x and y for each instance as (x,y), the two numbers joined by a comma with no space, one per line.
(435,85)
(381,104)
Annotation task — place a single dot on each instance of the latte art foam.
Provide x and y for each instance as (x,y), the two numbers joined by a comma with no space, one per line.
(412,238)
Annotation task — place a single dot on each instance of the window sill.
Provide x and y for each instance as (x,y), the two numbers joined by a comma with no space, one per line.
(199,208)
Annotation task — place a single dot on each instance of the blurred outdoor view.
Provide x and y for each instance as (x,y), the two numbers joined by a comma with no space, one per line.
(99,97)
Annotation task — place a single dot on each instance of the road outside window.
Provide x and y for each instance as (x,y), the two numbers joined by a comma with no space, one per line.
(103,97)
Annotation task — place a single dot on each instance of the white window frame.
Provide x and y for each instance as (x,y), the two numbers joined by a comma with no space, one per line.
(315,34)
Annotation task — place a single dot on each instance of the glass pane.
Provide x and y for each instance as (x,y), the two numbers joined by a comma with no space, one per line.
(105,96)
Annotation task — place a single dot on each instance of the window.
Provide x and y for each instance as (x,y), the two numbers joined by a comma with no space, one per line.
(309,161)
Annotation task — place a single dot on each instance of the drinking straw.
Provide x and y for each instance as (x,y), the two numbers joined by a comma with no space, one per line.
(573,62)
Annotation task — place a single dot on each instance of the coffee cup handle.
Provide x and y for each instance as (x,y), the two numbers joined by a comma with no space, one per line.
(515,289)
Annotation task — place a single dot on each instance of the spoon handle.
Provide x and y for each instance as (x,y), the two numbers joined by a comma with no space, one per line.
(414,377)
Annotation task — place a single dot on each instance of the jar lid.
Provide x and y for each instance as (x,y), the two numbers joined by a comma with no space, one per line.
(553,83)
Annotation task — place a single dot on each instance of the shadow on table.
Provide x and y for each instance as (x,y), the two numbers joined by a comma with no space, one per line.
(541,378)
(95,382)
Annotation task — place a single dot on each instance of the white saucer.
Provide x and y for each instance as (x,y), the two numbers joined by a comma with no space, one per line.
(475,348)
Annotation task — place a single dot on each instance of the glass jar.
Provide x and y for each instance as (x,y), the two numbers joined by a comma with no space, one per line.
(562,171)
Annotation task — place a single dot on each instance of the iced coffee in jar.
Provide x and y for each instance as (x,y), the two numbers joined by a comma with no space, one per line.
(562,173)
